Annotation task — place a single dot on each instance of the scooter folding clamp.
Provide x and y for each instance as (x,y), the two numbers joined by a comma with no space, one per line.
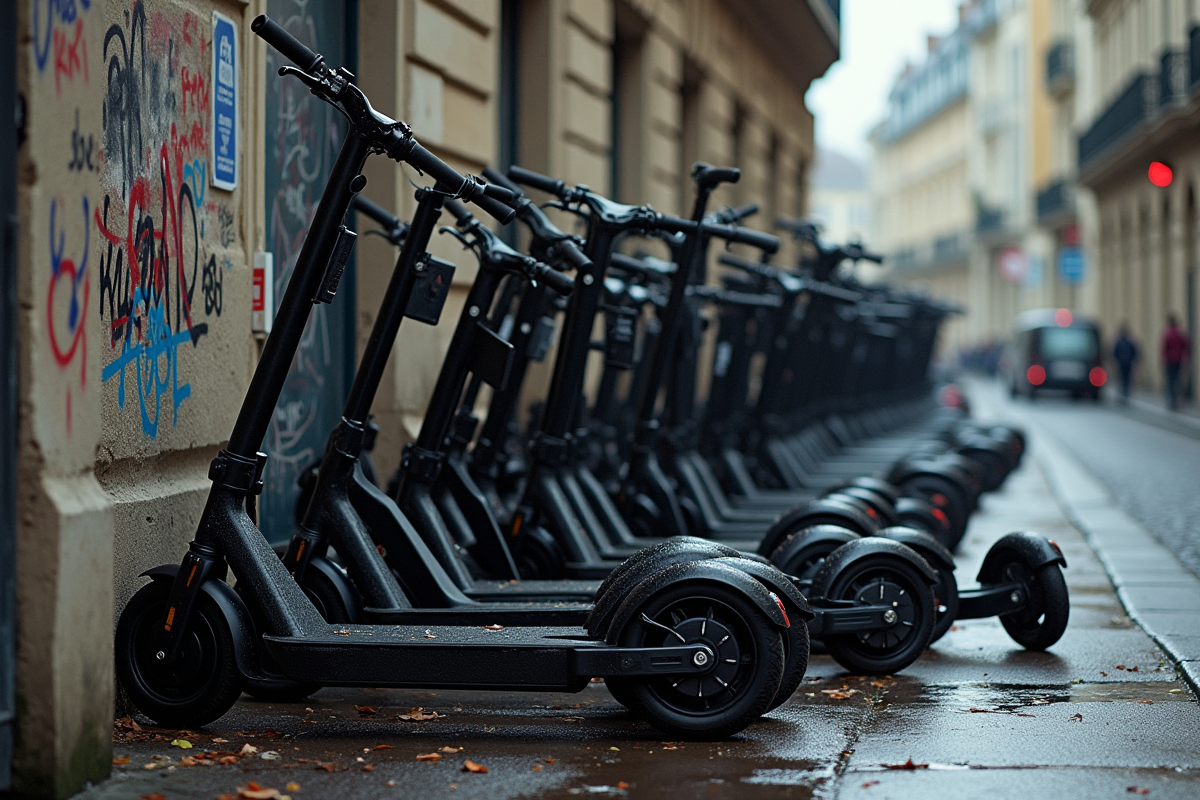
(237,474)
(551,450)
(350,438)
(421,464)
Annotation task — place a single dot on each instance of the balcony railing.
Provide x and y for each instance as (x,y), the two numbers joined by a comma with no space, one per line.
(981,17)
(1194,56)
(1060,67)
(1125,113)
(948,248)
(1173,77)
(989,219)
(1054,202)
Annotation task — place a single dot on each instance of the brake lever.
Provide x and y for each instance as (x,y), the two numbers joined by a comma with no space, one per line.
(310,81)
(457,234)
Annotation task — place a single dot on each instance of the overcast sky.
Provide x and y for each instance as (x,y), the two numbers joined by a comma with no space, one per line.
(878,36)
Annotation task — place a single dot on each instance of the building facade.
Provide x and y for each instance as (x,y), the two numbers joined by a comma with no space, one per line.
(164,182)
(840,200)
(921,177)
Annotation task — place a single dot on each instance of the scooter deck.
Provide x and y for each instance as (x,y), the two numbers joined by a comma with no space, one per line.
(533,591)
(456,657)
(516,614)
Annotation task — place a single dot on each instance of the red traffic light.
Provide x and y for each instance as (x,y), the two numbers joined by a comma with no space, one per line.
(1160,174)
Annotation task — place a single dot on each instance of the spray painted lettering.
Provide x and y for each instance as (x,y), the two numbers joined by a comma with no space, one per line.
(67,298)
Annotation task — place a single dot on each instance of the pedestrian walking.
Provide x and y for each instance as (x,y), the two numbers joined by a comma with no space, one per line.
(1176,347)
(1125,353)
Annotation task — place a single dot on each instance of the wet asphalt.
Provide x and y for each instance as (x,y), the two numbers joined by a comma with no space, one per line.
(1102,714)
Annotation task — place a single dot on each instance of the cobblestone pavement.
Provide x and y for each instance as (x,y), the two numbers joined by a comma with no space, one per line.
(1153,472)
(1101,715)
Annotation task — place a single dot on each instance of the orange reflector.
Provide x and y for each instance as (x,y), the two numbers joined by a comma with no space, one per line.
(300,550)
(170,617)
(1097,376)
(192,574)
(516,525)
(1036,374)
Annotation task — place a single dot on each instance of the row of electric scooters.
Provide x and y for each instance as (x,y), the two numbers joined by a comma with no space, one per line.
(686,553)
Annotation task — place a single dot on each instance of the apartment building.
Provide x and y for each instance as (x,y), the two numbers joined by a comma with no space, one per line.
(1143,106)
(141,254)
(920,177)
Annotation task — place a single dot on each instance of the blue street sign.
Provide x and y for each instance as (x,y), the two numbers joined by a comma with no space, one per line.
(1071,267)
(224,121)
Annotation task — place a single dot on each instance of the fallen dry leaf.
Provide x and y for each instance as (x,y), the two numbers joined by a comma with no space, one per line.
(120,761)
(493,627)
(537,767)
(906,765)
(343,632)
(449,749)
(430,634)
(248,750)
(1147,702)
(1075,718)
(622,785)
(292,786)
(418,714)
(1136,790)
(219,740)
(429,757)
(182,744)
(383,747)
(188,761)
(154,796)
(839,694)
(549,760)
(869,784)
(330,767)
(369,768)
(229,760)
(252,791)
(471,766)
(365,711)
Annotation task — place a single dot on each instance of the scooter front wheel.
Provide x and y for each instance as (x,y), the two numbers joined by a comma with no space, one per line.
(881,579)
(748,665)
(1043,619)
(193,689)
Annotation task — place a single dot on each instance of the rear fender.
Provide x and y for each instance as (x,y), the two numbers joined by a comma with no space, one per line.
(633,570)
(707,572)
(859,549)
(237,616)
(798,608)
(928,547)
(1033,549)
(818,512)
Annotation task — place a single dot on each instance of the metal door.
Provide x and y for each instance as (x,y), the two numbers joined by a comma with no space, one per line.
(303,136)
(8,393)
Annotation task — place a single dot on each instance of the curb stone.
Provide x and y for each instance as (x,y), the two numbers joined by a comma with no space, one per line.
(1158,592)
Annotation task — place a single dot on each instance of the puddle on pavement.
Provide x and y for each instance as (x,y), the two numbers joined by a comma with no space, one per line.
(1014,698)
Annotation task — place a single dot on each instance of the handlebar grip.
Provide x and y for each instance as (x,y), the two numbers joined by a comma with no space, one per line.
(731,233)
(501,193)
(501,212)
(288,46)
(707,177)
(558,282)
(536,180)
(748,210)
(458,211)
(385,218)
(571,254)
(500,179)
(434,167)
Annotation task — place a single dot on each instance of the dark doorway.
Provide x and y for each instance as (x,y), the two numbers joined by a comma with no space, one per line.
(303,136)
(8,392)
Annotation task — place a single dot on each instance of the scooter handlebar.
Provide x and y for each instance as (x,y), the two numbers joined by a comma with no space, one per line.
(708,177)
(500,179)
(555,280)
(732,233)
(457,210)
(385,218)
(492,199)
(528,177)
(288,46)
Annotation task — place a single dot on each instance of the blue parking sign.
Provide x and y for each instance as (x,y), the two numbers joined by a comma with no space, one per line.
(1070,265)
(224,121)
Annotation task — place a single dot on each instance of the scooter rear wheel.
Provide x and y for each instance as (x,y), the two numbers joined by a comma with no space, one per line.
(1043,620)
(869,581)
(746,676)
(200,684)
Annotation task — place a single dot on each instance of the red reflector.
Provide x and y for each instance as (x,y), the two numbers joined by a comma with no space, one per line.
(1097,376)
(787,622)
(1036,374)
(871,513)
(1054,544)
(939,499)
(1063,318)
(941,517)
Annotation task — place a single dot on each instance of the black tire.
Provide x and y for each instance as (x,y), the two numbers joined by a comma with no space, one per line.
(797,646)
(277,687)
(945,596)
(200,685)
(1044,619)
(890,650)
(541,556)
(736,630)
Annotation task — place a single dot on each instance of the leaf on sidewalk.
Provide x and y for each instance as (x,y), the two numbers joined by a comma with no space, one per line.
(418,714)
(1136,790)
(365,711)
(907,765)
(449,749)
(182,744)
(1075,718)
(383,747)
(248,750)
(120,761)
(471,766)
(493,627)
(429,757)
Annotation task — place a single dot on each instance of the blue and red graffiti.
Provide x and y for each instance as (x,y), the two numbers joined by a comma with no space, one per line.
(58,22)
(69,284)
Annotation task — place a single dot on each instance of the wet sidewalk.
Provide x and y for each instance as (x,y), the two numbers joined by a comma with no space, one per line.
(1103,714)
